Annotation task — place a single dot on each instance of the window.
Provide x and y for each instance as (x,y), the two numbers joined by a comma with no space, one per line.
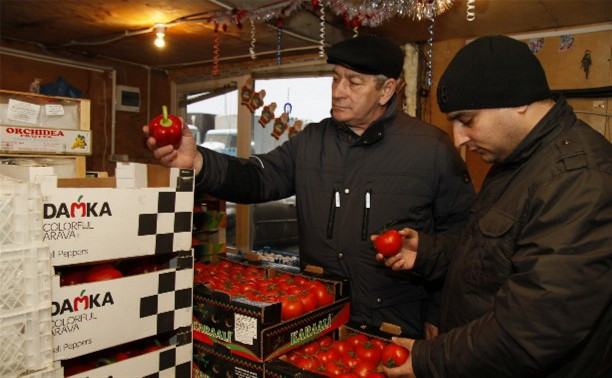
(272,225)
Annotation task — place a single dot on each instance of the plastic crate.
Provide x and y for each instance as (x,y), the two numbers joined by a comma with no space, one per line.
(25,342)
(25,278)
(20,212)
(56,371)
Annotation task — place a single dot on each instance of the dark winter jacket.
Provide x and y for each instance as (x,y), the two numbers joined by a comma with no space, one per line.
(529,289)
(409,170)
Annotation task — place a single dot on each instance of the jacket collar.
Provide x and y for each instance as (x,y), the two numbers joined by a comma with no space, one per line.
(549,127)
(376,130)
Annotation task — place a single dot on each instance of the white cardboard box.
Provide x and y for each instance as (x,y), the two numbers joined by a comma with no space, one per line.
(23,139)
(93,316)
(85,222)
(172,361)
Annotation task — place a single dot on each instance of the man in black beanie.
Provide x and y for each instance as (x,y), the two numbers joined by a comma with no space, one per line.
(366,165)
(528,285)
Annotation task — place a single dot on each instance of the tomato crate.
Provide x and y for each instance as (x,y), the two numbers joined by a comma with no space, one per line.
(165,356)
(215,360)
(20,212)
(25,342)
(361,359)
(86,316)
(25,278)
(256,328)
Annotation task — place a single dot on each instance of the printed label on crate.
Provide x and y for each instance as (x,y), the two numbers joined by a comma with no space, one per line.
(90,224)
(37,140)
(93,316)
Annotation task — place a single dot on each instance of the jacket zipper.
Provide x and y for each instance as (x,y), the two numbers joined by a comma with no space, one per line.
(366,215)
(335,203)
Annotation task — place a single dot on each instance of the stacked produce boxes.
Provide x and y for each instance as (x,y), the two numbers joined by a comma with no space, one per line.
(121,295)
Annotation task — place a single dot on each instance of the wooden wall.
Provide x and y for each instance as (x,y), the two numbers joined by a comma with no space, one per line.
(16,73)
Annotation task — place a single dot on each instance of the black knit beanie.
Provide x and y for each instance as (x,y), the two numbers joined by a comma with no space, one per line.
(492,72)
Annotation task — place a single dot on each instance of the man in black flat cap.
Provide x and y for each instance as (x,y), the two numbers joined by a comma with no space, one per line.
(528,285)
(367,165)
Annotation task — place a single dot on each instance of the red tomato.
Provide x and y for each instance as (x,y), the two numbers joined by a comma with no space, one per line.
(364,368)
(325,296)
(291,307)
(368,352)
(342,346)
(388,243)
(310,349)
(102,272)
(309,363)
(253,271)
(350,359)
(294,357)
(325,342)
(393,356)
(198,267)
(332,368)
(328,354)
(309,300)
(356,339)
(378,343)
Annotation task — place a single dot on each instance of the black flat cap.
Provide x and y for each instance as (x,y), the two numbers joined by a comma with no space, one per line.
(369,55)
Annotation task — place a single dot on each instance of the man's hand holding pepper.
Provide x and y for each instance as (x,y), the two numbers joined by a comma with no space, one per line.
(186,156)
(404,259)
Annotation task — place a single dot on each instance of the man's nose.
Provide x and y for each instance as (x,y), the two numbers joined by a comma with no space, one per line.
(459,136)
(339,90)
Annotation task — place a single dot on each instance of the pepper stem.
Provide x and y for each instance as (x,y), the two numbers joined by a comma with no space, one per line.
(165,121)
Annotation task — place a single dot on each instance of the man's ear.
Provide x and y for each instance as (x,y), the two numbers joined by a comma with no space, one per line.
(387,90)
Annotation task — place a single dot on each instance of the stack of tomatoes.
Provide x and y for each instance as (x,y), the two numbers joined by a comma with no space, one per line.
(355,356)
(298,295)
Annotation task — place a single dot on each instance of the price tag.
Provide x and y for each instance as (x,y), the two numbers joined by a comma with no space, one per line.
(245,328)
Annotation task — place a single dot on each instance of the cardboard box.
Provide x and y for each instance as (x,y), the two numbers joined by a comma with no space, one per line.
(254,329)
(279,367)
(33,140)
(93,316)
(91,220)
(170,361)
(51,112)
(214,360)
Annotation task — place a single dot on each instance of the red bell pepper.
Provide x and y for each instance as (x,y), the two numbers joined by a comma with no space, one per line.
(166,129)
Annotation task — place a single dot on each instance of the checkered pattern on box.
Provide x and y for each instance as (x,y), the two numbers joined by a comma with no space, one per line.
(174,292)
(175,362)
(170,224)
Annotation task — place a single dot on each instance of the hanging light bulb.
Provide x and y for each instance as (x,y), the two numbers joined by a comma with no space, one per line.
(160,33)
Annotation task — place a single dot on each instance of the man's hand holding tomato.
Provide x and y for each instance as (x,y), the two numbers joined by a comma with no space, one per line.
(186,156)
(404,259)
(404,370)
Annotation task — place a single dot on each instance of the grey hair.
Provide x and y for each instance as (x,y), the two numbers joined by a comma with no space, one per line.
(380,80)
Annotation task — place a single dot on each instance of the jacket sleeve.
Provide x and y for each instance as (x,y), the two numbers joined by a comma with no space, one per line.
(556,296)
(260,178)
(452,201)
